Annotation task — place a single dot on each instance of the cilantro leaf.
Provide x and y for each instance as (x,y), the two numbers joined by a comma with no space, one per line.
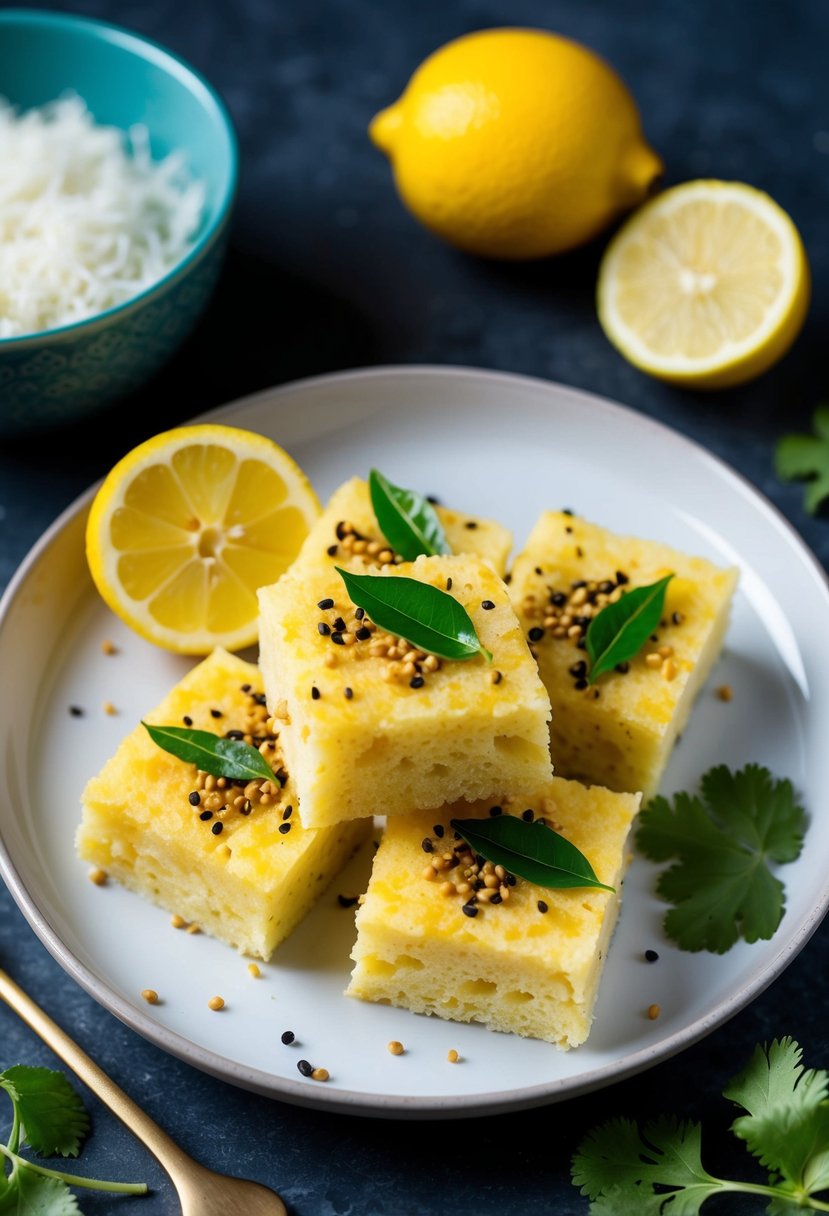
(806,458)
(33,1195)
(618,1167)
(52,1113)
(787,1125)
(721,885)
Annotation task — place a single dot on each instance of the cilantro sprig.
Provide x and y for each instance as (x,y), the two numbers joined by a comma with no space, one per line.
(48,1116)
(721,843)
(626,1171)
(806,458)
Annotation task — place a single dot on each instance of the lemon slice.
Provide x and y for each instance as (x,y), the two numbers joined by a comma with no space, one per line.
(707,285)
(188,525)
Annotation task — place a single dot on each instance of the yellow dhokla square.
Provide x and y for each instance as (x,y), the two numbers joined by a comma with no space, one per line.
(373,726)
(245,871)
(530,963)
(620,731)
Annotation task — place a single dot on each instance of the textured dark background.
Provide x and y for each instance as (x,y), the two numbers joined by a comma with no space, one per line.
(327,271)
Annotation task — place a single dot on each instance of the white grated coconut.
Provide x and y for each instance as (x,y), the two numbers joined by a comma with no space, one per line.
(87,218)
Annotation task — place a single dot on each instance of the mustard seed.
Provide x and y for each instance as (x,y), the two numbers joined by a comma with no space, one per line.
(149,995)
(452,1056)
(653,1012)
(396,1048)
(216,1003)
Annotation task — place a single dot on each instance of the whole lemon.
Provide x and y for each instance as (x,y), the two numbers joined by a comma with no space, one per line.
(516,143)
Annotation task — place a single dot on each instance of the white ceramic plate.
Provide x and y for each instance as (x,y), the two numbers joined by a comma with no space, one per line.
(498,445)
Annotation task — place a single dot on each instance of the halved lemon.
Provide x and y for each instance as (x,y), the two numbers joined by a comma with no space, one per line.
(188,525)
(707,285)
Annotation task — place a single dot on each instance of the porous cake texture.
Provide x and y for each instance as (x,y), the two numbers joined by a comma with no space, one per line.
(235,861)
(620,731)
(373,726)
(519,958)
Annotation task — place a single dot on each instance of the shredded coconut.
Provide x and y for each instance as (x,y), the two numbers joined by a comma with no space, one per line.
(87,218)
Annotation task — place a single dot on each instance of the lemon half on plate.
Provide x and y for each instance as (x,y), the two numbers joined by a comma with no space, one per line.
(188,525)
(706,286)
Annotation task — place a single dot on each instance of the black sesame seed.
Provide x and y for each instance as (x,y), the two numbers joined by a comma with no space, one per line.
(359,613)
(304,1067)
(433,499)
(284,828)
(323,628)
(427,845)
(315,693)
(538,570)
(288,1037)
(337,639)
(487,605)
(580,684)
(582,621)
(470,909)
(558,598)
(568,528)
(536,633)
(578,669)
(288,812)
(676,618)
(480,860)
(340,530)
(581,644)
(496,810)
(606,587)
(621,578)
(187,720)
(216,713)
(347,901)
(529,815)
(363,634)
(497,898)
(332,550)
(259,698)
(205,815)
(235,734)
(651,956)
(623,668)
(348,693)
(542,907)
(471,524)
(497,677)
(217,828)
(438,830)
(567,511)
(416,682)
(324,604)
(339,625)
(195,798)
(510,880)
(449,584)
(246,687)
(479,884)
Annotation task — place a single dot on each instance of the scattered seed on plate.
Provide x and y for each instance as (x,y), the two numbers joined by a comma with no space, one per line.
(109,647)
(320,1074)
(452,1056)
(653,1012)
(651,956)
(396,1048)
(216,1003)
(178,922)
(110,709)
(150,996)
(98,876)
(76,711)
(725,692)
(288,1037)
(193,928)
(305,1068)
(254,971)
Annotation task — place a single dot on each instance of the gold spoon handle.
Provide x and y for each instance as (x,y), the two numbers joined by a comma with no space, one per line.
(166,1151)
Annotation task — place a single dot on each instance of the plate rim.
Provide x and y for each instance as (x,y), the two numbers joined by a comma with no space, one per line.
(403,1106)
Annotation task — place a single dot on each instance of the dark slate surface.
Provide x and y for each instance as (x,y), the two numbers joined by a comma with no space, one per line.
(327,271)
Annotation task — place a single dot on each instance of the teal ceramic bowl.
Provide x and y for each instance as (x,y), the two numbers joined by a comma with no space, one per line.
(67,373)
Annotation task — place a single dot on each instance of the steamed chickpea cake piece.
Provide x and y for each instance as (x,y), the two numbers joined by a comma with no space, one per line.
(620,731)
(440,934)
(230,857)
(372,725)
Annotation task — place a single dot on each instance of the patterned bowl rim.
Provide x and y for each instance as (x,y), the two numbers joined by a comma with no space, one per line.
(208,97)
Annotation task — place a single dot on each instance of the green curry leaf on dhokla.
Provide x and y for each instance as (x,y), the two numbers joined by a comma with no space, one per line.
(621,629)
(408,521)
(232,758)
(428,618)
(530,850)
